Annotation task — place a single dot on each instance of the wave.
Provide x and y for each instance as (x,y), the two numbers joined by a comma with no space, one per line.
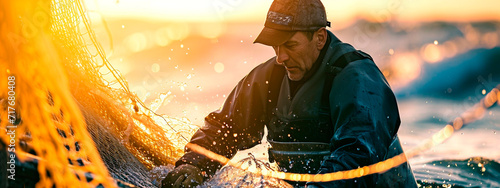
(472,172)
(462,76)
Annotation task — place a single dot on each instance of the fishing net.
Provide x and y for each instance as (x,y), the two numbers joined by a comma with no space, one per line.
(82,129)
(69,119)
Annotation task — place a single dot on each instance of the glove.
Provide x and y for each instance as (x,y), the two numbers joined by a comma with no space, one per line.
(185,175)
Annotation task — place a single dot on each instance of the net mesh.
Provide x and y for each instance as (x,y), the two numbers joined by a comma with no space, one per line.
(61,97)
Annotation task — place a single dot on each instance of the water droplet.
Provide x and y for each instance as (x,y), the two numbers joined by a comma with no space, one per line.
(436,42)
(219,67)
(155,67)
(213,143)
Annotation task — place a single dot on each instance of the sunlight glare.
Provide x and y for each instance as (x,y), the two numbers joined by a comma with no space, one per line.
(136,42)
(211,30)
(161,36)
(219,67)
(155,67)
(431,53)
(178,31)
(406,67)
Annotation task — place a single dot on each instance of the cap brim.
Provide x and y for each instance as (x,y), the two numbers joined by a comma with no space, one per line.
(273,37)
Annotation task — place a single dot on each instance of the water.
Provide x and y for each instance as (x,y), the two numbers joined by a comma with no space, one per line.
(469,158)
(472,172)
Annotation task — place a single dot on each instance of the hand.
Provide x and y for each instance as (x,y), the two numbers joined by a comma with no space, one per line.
(185,175)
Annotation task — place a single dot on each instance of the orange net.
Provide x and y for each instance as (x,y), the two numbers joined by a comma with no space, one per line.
(52,70)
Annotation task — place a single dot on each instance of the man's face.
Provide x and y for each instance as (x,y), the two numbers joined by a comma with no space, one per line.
(298,55)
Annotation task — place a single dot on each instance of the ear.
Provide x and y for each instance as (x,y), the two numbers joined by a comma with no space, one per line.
(322,35)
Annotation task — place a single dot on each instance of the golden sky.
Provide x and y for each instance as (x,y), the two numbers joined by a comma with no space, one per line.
(337,10)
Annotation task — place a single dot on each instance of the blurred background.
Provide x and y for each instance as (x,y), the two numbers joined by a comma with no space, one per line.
(440,57)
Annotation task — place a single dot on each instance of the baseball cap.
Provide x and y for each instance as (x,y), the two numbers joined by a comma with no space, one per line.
(285,17)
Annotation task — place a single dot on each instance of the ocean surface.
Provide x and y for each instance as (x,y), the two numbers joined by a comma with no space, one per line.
(469,158)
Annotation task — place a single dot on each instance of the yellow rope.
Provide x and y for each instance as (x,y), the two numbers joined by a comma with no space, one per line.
(473,114)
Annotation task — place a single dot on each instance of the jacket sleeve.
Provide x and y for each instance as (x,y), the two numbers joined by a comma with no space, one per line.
(239,124)
(366,118)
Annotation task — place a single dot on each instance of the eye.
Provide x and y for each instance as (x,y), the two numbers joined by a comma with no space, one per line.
(290,45)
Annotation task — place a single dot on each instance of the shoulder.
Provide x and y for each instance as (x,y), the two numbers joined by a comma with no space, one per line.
(362,70)
(359,76)
(340,53)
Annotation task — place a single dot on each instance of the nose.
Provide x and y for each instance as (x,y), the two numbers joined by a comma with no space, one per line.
(281,54)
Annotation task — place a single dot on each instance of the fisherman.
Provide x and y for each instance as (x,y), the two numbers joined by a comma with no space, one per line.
(326,105)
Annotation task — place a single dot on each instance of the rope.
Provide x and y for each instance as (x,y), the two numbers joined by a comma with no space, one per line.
(474,113)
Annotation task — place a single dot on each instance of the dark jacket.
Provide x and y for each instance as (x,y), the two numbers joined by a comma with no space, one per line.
(362,109)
